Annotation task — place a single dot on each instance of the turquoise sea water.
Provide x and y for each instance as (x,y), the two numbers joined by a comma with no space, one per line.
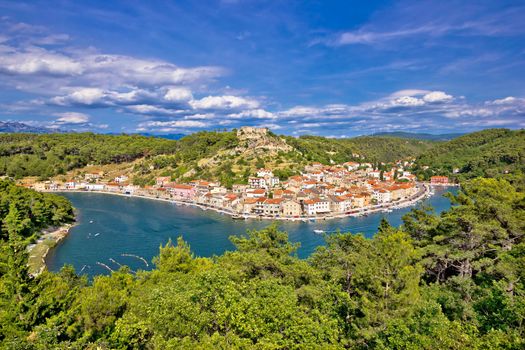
(109,226)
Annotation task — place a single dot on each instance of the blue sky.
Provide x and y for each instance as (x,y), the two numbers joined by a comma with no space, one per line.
(333,68)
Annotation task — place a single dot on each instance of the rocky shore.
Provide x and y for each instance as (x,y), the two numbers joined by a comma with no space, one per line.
(38,251)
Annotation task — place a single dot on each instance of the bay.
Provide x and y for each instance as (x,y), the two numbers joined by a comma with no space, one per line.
(116,230)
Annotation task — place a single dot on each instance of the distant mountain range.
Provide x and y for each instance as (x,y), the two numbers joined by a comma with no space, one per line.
(420,136)
(18,127)
(14,127)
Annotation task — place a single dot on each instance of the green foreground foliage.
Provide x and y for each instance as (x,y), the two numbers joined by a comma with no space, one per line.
(453,281)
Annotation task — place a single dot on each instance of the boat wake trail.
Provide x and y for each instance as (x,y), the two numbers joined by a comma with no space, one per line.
(105,266)
(137,257)
(115,262)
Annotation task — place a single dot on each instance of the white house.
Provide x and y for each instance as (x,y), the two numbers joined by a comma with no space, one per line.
(121,179)
(382,196)
(95,187)
(257,182)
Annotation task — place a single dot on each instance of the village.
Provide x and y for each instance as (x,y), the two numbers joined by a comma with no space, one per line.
(320,192)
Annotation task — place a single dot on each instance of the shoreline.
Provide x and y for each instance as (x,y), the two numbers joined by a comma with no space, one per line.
(424,191)
(48,239)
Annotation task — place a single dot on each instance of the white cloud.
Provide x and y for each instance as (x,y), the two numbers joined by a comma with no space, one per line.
(271,126)
(301,111)
(84,96)
(468,111)
(437,96)
(146,109)
(167,126)
(72,118)
(407,101)
(254,113)
(369,37)
(224,103)
(409,92)
(178,94)
(510,100)
(34,60)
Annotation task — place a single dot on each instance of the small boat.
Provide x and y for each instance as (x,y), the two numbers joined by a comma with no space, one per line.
(90,221)
(319,231)
(97,234)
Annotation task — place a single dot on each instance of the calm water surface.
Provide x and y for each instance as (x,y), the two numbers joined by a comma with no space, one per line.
(109,226)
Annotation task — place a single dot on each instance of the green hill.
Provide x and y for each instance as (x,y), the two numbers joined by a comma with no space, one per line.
(229,156)
(419,135)
(373,149)
(488,153)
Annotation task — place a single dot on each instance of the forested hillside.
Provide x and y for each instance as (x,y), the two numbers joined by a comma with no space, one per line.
(487,153)
(228,156)
(231,157)
(455,281)
(52,154)
(373,149)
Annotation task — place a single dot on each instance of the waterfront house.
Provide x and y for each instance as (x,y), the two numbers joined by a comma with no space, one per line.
(182,191)
(217,200)
(230,201)
(309,206)
(323,205)
(439,180)
(291,208)
(272,206)
(71,185)
(95,187)
(260,206)
(316,206)
(130,189)
(382,196)
(340,204)
(248,205)
(113,187)
(359,201)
